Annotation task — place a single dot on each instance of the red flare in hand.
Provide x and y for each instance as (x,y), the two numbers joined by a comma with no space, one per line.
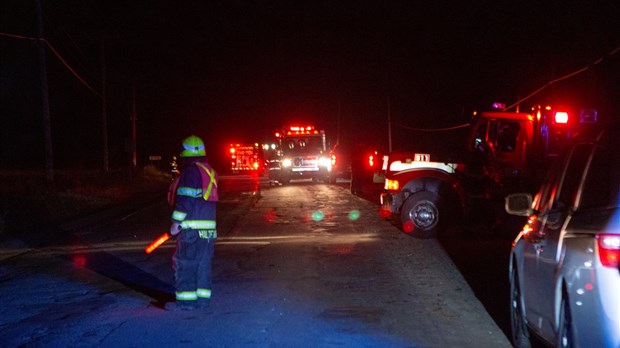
(159,241)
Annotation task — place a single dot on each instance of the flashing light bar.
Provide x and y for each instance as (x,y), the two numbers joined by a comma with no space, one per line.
(244,146)
(301,129)
(297,130)
(301,132)
(589,116)
(499,106)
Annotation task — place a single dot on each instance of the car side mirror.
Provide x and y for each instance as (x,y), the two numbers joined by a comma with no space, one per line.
(519,204)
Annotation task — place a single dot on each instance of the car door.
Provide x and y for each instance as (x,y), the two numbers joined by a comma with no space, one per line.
(543,252)
(533,243)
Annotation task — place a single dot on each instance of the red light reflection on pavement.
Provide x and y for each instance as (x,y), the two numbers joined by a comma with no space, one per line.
(343,249)
(408,227)
(270,216)
(384,213)
(79,260)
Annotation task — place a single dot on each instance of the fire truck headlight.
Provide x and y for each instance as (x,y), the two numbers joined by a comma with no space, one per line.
(391,185)
(325,162)
(287,162)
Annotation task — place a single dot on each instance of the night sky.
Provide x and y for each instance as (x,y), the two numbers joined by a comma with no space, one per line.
(234,71)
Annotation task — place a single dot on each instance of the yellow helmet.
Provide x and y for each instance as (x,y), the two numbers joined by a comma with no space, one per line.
(193,146)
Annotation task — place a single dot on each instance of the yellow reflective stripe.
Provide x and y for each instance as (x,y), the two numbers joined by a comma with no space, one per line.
(203,293)
(186,295)
(178,215)
(210,172)
(199,224)
(212,182)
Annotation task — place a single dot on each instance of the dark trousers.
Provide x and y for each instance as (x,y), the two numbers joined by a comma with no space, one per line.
(192,265)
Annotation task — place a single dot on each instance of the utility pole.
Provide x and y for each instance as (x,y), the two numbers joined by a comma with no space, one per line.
(389,115)
(104,114)
(338,126)
(134,151)
(45,100)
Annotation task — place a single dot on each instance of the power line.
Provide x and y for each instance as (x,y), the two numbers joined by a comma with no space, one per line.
(464,125)
(574,73)
(15,36)
(114,107)
(579,71)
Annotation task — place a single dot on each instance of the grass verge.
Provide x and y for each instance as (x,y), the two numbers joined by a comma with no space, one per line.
(27,198)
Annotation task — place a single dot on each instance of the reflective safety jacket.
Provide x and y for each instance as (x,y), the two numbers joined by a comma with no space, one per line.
(196,195)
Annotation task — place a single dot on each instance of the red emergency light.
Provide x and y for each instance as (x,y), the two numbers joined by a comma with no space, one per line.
(560,117)
(301,129)
(499,106)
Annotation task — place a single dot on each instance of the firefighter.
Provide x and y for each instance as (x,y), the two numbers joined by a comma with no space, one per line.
(193,222)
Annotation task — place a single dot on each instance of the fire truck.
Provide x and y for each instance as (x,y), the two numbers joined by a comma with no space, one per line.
(300,152)
(505,152)
(246,158)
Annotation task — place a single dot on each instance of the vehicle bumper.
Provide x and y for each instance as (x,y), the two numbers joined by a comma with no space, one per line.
(309,171)
(304,172)
(596,307)
(390,202)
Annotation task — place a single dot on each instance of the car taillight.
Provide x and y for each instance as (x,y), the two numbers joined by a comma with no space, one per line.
(371,161)
(609,249)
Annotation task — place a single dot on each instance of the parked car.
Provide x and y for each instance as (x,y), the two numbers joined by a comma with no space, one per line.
(564,272)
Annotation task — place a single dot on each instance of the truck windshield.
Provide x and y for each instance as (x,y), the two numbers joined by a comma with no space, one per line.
(500,135)
(303,145)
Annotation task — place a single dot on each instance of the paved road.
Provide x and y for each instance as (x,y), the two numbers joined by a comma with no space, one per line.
(307,264)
